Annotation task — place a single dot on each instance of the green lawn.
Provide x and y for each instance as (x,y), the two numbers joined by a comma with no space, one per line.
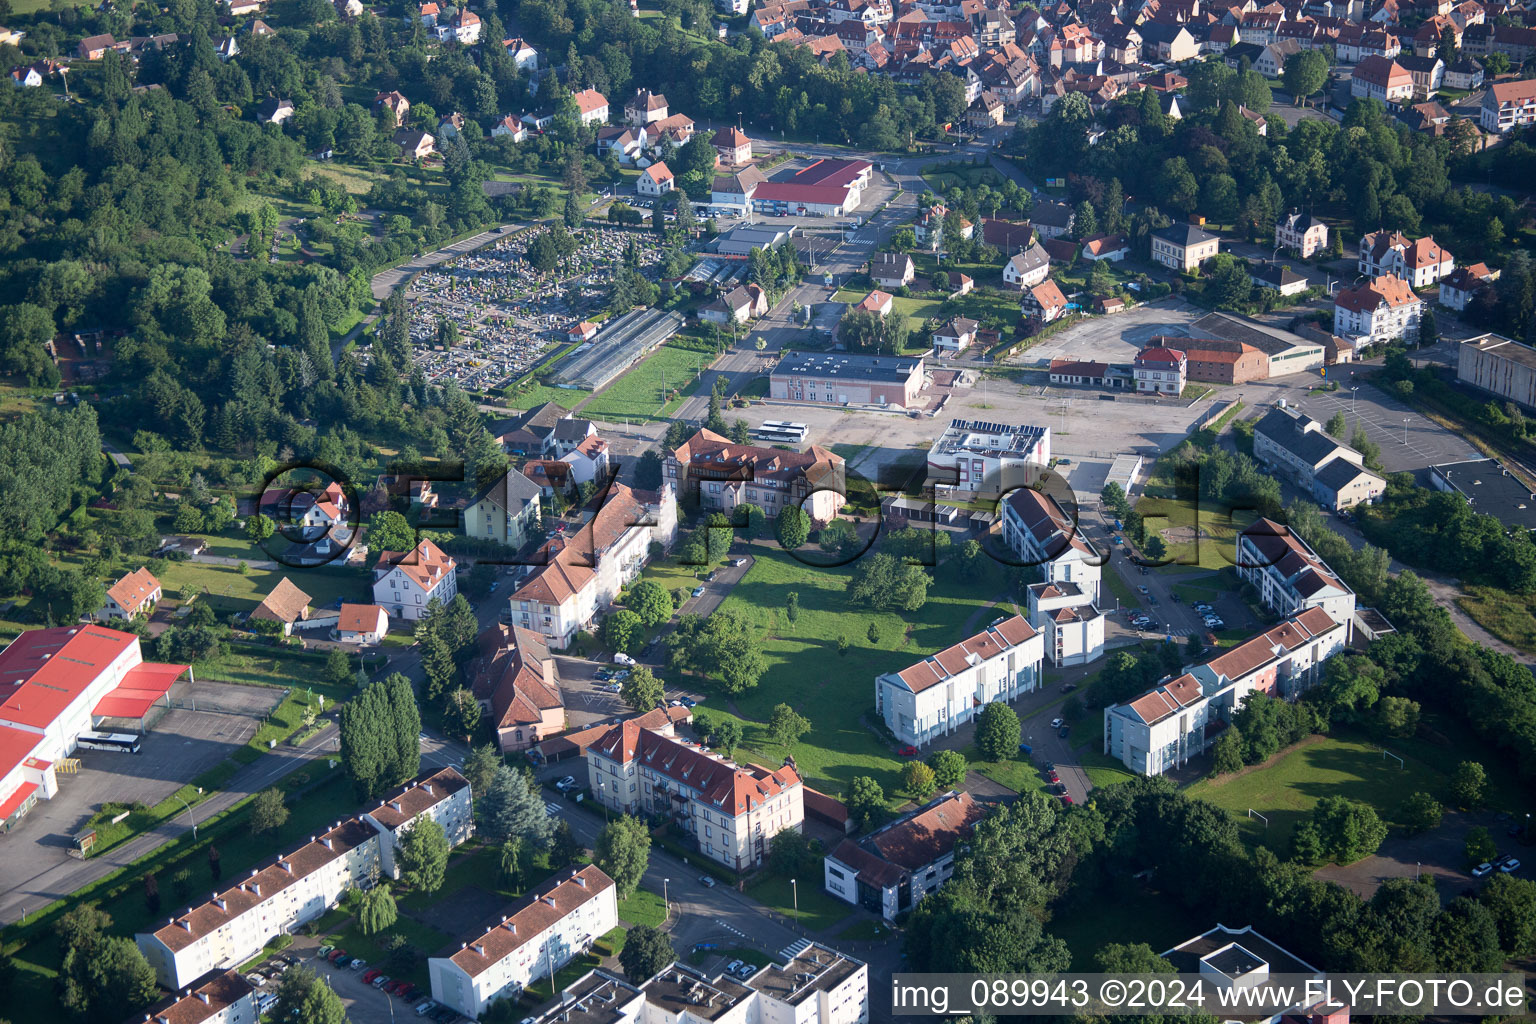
(1197,534)
(639,395)
(644,907)
(979,306)
(1286,788)
(818,909)
(428,941)
(1505,615)
(832,690)
(230,590)
(531,393)
(1021,776)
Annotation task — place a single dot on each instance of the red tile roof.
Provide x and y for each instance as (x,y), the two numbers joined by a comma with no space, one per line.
(535,914)
(134,589)
(428,564)
(719,783)
(925,837)
(362,618)
(416,797)
(989,643)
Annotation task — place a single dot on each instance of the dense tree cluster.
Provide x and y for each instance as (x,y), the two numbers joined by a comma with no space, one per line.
(380,727)
(723,646)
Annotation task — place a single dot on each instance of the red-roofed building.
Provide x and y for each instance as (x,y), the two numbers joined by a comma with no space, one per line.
(592,106)
(1181,717)
(1159,370)
(936,696)
(135,594)
(405,583)
(891,871)
(732,812)
(518,686)
(220,997)
(655,180)
(1378,311)
(732,147)
(1044,301)
(442,796)
(721,474)
(1383,79)
(362,624)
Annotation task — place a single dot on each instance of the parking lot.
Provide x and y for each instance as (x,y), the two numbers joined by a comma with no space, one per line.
(1113,339)
(365,1003)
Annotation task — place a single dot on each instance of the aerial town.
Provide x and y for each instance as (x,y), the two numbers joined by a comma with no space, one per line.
(496,496)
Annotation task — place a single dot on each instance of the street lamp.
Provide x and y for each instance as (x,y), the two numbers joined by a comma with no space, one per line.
(1405,430)
(666,904)
(794,889)
(193,819)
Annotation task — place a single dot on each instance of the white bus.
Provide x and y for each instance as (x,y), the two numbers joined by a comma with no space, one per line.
(782,431)
(121,742)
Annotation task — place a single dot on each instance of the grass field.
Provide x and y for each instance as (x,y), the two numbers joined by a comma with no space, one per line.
(1286,788)
(978,306)
(228,590)
(1020,776)
(1505,616)
(639,393)
(948,175)
(644,907)
(818,910)
(1196,533)
(832,690)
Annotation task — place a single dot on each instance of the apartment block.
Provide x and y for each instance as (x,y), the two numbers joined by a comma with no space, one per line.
(731,811)
(973,457)
(220,997)
(1064,605)
(720,474)
(1181,718)
(890,871)
(442,797)
(1289,575)
(538,935)
(1332,471)
(945,690)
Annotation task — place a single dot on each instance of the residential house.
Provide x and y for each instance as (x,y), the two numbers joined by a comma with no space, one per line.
(1508,105)
(1027,268)
(441,796)
(1301,233)
(731,812)
(736,306)
(877,302)
(1159,370)
(414,144)
(627,142)
(517,683)
(892,269)
(1044,301)
(1289,576)
(1298,446)
(655,180)
(592,106)
(929,228)
(890,871)
(954,337)
(1382,79)
(579,575)
(407,582)
(1420,262)
(1106,247)
(1085,373)
(1183,246)
(533,433)
(94,47)
(1466,74)
(274,111)
(1428,74)
(365,624)
(1457,289)
(720,474)
(463,28)
(645,107)
(26,77)
(732,147)
(507,511)
(395,103)
(588,461)
(1182,717)
(1272,58)
(510,127)
(524,56)
(1052,219)
(537,936)
(448,127)
(135,594)
(1279,278)
(972,458)
(1378,311)
(285,605)
(1169,43)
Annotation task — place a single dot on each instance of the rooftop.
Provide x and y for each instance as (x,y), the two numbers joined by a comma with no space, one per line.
(817,969)
(1490,488)
(849,366)
(1002,440)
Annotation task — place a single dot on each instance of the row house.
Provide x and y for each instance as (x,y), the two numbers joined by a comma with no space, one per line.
(1466,73)
(1420,262)
(1289,576)
(720,474)
(889,872)
(220,997)
(1271,60)
(537,935)
(1064,606)
(1074,44)
(732,812)
(1181,718)
(1259,27)
(581,574)
(235,925)
(442,797)
(1354,43)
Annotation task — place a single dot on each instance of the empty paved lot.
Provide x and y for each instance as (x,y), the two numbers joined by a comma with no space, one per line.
(1113,339)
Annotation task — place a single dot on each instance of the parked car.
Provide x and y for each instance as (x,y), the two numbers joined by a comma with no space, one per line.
(689,702)
(1068,687)
(255,980)
(324,951)
(907,751)
(358,964)
(1142,588)
(425,1008)
(738,562)
(746,970)
(620,658)
(707,881)
(373,975)
(1510,866)
(732,967)
(1062,732)
(1066,798)
(1026,749)
(1056,723)
(338,956)
(566,783)
(381,981)
(1482,869)
(698,591)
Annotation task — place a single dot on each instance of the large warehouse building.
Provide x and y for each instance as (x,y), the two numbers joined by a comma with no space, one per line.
(1497,364)
(841,378)
(619,345)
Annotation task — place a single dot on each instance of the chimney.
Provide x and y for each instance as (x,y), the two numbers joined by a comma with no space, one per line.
(428,788)
(203,996)
(256,888)
(326,842)
(219,903)
(581,881)
(396,805)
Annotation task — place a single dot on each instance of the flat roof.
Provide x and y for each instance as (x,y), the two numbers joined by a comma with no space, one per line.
(849,366)
(1490,488)
(816,969)
(1505,348)
(1000,439)
(680,989)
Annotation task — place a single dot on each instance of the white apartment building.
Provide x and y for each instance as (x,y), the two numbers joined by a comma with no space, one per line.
(1064,606)
(1378,312)
(1420,262)
(1182,717)
(731,811)
(1508,105)
(1301,233)
(1159,370)
(945,690)
(405,583)
(584,573)
(540,934)
(223,997)
(235,924)
(442,797)
(1289,575)
(889,872)
(973,457)
(507,511)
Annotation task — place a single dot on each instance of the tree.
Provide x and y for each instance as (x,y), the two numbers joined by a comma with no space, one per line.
(424,855)
(1429,329)
(1511,902)
(642,691)
(152,893)
(1228,755)
(376,910)
(304,996)
(188,519)
(949,768)
(1348,830)
(390,531)
(866,802)
(650,601)
(646,952)
(461,713)
(106,978)
(1468,785)
(268,812)
(1336,422)
(724,734)
(750,519)
(338,667)
(623,852)
(786,725)
(1420,813)
(623,631)
(1131,958)
(1305,73)
(917,778)
(838,538)
(792,606)
(380,730)
(480,768)
(1480,846)
(793,527)
(259,527)
(791,855)
(997,731)
(648,470)
(885,582)
(511,807)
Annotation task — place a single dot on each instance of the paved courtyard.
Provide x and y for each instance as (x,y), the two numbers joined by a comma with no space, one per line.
(1113,339)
